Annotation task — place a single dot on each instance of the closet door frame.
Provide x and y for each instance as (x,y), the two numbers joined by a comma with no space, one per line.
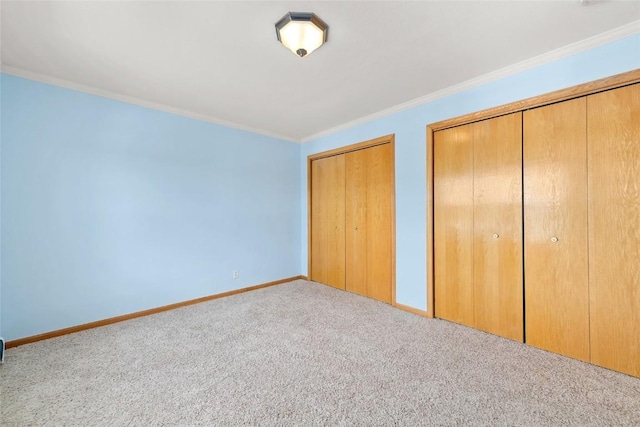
(387,139)
(607,83)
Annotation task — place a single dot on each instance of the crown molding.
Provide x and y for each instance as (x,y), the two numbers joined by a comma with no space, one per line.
(55,81)
(563,52)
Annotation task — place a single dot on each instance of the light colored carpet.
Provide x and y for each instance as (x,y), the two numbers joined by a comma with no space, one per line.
(303,354)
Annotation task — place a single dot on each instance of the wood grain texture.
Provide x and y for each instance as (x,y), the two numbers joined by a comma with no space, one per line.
(555,205)
(614,228)
(369,217)
(392,165)
(111,320)
(497,211)
(379,225)
(537,101)
(430,304)
(328,221)
(369,194)
(606,83)
(356,166)
(453,230)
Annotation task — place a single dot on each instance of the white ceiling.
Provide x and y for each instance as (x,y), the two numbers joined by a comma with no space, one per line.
(220,61)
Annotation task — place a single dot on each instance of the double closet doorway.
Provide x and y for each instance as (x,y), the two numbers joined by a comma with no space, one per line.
(535,216)
(352,218)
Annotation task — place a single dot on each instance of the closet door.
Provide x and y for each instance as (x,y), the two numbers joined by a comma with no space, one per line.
(356,221)
(497,224)
(380,199)
(453,224)
(369,214)
(614,228)
(328,221)
(555,228)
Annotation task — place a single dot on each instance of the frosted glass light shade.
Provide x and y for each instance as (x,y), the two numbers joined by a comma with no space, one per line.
(301,32)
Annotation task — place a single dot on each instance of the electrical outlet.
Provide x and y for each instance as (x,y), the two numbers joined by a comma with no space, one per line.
(236,274)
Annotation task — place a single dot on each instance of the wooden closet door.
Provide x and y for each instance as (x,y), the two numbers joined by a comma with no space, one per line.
(369,194)
(328,221)
(379,224)
(497,224)
(453,224)
(356,167)
(614,228)
(555,228)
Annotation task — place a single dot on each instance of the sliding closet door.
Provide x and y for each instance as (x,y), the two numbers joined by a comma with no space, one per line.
(328,221)
(614,228)
(369,194)
(555,228)
(497,225)
(453,224)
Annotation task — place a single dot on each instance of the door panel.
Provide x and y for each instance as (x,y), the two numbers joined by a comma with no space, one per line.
(380,190)
(497,224)
(453,224)
(369,194)
(555,228)
(614,228)
(356,221)
(328,221)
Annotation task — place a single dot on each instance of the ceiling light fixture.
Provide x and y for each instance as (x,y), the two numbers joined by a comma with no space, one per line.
(301,32)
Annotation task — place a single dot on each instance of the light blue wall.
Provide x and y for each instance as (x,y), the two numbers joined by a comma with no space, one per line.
(409,128)
(110,208)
